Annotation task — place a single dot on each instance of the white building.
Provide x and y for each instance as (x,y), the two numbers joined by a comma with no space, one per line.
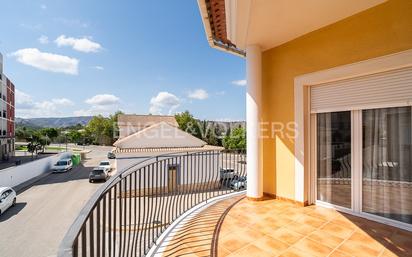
(185,159)
(130,123)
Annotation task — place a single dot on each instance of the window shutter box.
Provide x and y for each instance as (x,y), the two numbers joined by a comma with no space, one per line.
(379,90)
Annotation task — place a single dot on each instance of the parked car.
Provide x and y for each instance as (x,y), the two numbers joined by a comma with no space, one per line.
(227,176)
(7,198)
(99,173)
(106,164)
(111,155)
(239,183)
(63,165)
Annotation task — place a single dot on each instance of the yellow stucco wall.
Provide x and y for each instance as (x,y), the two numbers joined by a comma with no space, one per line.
(381,30)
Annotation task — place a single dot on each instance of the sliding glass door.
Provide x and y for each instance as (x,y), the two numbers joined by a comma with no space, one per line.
(334,158)
(387,163)
(379,181)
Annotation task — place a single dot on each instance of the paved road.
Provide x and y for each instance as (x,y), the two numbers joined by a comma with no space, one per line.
(44,212)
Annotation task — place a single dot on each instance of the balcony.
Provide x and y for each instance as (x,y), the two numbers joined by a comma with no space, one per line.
(239,227)
(193,204)
(129,215)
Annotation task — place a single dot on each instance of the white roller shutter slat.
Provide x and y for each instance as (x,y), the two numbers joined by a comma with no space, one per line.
(385,89)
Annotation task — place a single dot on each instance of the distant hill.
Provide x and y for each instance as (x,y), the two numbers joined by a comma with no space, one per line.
(83,120)
(227,124)
(53,122)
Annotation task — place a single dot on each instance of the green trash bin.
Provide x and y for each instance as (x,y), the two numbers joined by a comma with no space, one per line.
(76,159)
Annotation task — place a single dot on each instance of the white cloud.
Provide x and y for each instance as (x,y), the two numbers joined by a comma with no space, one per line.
(103,104)
(240,83)
(104,110)
(97,67)
(27,107)
(23,100)
(164,101)
(62,101)
(47,61)
(43,39)
(103,99)
(79,44)
(220,93)
(199,94)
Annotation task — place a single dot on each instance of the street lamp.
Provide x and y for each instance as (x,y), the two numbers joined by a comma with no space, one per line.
(65,135)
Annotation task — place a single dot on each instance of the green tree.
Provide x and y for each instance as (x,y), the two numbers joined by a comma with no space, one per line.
(49,133)
(101,130)
(189,124)
(236,140)
(37,143)
(219,132)
(23,132)
(114,118)
(44,141)
(208,133)
(215,137)
(74,136)
(211,137)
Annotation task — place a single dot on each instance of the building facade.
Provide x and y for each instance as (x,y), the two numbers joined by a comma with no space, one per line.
(7,108)
(163,140)
(329,89)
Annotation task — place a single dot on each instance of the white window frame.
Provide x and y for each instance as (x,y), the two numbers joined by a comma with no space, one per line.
(305,151)
(313,167)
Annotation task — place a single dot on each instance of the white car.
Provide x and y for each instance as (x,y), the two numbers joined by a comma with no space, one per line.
(63,165)
(7,198)
(106,164)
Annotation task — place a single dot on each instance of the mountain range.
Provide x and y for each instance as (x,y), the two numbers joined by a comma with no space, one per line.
(53,122)
(83,120)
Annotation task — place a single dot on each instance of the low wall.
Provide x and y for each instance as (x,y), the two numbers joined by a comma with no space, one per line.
(18,175)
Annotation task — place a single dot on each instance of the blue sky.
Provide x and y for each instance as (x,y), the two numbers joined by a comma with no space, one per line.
(76,57)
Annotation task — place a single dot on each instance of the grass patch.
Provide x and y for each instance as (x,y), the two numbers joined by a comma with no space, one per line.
(57,148)
(21,148)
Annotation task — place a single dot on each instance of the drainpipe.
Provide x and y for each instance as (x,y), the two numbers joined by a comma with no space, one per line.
(253,109)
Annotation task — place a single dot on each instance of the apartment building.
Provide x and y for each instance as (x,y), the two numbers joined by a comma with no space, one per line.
(7,108)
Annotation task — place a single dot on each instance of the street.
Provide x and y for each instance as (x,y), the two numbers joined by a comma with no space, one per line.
(45,211)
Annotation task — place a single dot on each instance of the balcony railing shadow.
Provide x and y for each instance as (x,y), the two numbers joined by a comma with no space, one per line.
(197,234)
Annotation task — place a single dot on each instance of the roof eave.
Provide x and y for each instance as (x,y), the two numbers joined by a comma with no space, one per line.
(214,43)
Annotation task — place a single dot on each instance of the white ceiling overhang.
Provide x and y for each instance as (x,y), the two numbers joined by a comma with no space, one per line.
(269,23)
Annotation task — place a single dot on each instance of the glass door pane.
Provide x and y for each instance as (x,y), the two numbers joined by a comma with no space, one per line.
(334,158)
(387,163)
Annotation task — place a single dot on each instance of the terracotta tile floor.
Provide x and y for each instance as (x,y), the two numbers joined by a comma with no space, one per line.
(278,228)
(194,236)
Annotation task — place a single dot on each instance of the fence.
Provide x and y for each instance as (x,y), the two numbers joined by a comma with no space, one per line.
(15,176)
(126,217)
